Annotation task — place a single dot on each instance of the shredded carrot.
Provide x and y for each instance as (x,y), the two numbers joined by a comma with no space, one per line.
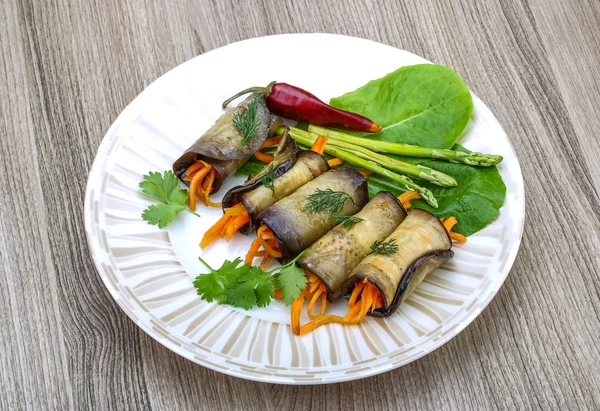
(252,252)
(319,292)
(407,197)
(194,185)
(365,173)
(236,209)
(370,299)
(266,240)
(235,224)
(214,232)
(270,142)
(296,311)
(448,224)
(207,191)
(458,237)
(267,246)
(385,203)
(335,162)
(356,292)
(319,144)
(265,158)
(278,294)
(193,168)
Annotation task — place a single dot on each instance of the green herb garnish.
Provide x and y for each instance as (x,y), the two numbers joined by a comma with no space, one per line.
(384,247)
(165,188)
(268,179)
(327,201)
(347,221)
(246,122)
(245,286)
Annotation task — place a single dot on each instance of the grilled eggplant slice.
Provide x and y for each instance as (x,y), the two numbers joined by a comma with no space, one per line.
(293,169)
(295,228)
(222,146)
(333,257)
(423,245)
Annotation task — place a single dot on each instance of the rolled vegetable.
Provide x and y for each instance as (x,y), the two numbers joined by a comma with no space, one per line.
(291,172)
(296,224)
(230,142)
(333,257)
(423,244)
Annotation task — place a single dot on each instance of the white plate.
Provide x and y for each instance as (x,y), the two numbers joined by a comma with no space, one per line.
(149,272)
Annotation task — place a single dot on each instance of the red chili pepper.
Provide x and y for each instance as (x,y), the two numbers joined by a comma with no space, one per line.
(293,103)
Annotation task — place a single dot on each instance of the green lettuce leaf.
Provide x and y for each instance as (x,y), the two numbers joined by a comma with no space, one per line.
(425,104)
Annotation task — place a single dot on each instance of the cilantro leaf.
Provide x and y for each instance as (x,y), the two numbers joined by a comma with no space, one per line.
(164,188)
(252,288)
(161,214)
(211,286)
(291,280)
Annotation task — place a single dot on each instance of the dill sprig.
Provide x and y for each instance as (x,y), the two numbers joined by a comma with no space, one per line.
(268,179)
(347,221)
(384,247)
(327,201)
(246,122)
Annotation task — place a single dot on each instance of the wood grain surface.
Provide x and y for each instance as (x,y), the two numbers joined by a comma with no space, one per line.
(68,68)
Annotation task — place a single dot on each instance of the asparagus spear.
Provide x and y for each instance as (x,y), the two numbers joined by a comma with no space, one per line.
(406,182)
(471,159)
(418,171)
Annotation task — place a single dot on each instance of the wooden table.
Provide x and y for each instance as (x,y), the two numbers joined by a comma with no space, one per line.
(68,68)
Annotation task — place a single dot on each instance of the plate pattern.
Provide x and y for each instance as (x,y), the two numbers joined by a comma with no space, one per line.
(149,271)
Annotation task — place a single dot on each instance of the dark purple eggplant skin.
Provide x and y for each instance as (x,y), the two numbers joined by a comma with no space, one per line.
(221,145)
(295,229)
(436,258)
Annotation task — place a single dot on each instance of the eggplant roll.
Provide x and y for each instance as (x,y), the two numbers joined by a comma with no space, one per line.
(296,229)
(222,145)
(333,257)
(423,245)
(292,168)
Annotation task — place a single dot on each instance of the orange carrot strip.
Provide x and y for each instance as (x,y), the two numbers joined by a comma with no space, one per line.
(270,142)
(317,144)
(265,158)
(406,197)
(208,189)
(449,223)
(458,237)
(278,294)
(355,293)
(335,162)
(235,224)
(214,232)
(237,209)
(252,251)
(194,167)
(270,250)
(296,311)
(365,173)
(194,185)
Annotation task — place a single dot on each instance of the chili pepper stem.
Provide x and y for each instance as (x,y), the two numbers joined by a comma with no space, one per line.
(261,90)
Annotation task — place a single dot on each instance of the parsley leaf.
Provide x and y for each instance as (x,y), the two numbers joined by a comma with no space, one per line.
(245,286)
(211,286)
(164,188)
(291,280)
